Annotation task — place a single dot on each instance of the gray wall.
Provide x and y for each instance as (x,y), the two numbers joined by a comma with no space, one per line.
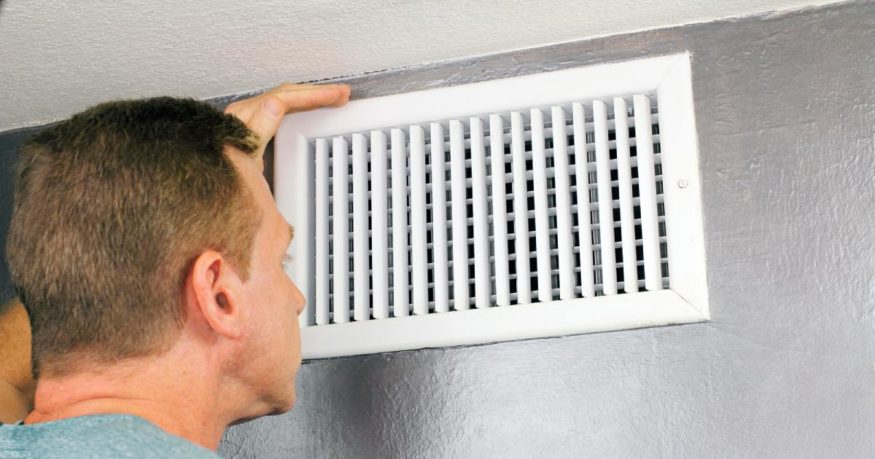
(786,120)
(785,114)
(9,143)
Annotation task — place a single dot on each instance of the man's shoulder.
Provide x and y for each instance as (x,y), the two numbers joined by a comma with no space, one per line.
(95,436)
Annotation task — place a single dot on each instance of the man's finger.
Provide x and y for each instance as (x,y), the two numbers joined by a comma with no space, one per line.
(298,98)
(265,118)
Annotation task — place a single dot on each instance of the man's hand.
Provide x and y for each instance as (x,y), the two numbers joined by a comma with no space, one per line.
(262,114)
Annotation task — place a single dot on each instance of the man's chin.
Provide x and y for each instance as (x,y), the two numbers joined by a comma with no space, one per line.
(271,406)
(282,402)
(284,406)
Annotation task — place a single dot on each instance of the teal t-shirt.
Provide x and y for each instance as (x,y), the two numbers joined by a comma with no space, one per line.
(98,436)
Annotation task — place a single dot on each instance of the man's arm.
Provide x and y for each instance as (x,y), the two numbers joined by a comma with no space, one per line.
(14,404)
(16,377)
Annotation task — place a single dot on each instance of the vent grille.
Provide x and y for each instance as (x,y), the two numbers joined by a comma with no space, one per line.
(491,212)
(512,184)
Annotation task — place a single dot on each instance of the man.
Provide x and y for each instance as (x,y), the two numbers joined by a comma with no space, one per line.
(149,254)
(16,381)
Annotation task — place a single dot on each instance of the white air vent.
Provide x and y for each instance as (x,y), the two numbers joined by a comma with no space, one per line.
(543,205)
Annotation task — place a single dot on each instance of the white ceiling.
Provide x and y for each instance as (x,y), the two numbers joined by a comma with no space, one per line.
(58,57)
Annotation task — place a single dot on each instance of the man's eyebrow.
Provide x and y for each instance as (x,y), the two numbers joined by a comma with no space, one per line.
(291,233)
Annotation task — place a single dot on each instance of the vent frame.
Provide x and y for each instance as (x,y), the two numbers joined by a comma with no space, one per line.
(686,301)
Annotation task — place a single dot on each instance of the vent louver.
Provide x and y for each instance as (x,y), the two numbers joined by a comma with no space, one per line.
(471,224)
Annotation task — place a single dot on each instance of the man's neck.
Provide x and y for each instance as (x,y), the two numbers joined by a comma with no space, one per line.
(182,401)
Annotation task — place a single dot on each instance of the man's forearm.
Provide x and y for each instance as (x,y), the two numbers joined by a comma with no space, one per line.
(16,382)
(14,404)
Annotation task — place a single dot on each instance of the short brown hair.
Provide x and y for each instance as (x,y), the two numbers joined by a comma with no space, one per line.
(111,208)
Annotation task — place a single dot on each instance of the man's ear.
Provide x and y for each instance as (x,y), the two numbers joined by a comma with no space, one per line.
(215,291)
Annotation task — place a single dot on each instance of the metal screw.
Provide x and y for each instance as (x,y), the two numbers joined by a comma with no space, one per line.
(683,183)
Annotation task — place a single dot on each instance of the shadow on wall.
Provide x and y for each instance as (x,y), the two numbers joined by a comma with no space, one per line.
(9,145)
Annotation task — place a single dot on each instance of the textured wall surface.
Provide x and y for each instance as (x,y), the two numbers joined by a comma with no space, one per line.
(58,57)
(786,122)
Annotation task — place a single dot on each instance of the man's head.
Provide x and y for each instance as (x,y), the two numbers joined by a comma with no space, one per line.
(113,208)
(147,247)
